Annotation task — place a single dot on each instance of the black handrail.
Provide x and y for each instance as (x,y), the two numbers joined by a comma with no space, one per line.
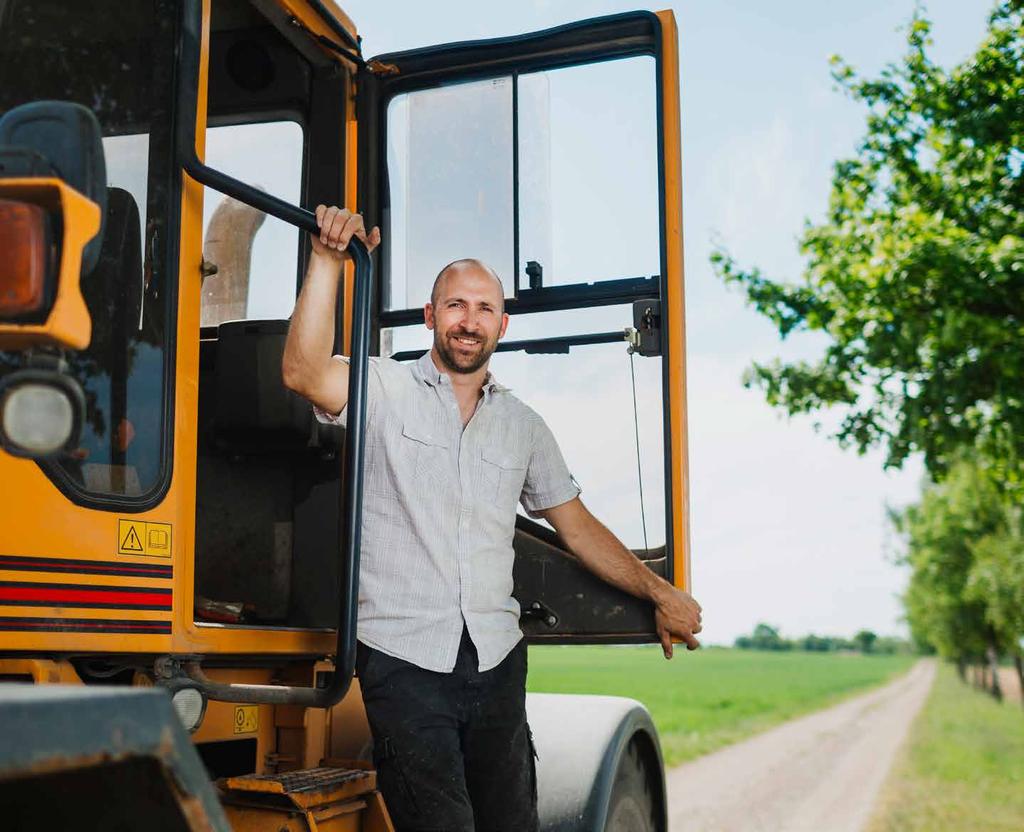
(350,521)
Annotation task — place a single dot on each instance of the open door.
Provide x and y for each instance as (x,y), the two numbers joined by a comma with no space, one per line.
(554,157)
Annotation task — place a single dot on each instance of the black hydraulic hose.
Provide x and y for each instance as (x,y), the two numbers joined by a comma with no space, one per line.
(350,520)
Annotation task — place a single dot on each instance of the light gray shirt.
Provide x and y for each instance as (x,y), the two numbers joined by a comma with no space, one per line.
(439,508)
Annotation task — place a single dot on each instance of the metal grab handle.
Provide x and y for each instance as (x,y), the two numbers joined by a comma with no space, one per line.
(350,520)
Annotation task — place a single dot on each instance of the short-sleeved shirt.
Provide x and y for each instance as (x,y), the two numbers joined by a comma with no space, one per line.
(439,508)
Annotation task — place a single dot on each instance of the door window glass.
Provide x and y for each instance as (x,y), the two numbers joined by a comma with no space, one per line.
(116,59)
(587,398)
(588,173)
(545,172)
(255,254)
(450,172)
(543,168)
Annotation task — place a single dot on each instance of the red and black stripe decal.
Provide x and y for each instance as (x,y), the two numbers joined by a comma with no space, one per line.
(32,563)
(28,594)
(83,625)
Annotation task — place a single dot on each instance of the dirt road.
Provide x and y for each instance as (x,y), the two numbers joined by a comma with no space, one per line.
(819,773)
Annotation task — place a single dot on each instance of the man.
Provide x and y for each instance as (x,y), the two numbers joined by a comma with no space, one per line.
(449,454)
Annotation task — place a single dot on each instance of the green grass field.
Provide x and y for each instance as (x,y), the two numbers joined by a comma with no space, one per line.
(701,701)
(962,767)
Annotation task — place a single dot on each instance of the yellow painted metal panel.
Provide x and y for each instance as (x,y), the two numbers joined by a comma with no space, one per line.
(675,300)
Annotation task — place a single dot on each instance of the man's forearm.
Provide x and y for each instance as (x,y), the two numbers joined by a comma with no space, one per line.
(677,617)
(602,553)
(311,332)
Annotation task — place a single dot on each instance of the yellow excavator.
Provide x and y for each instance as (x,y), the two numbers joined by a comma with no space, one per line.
(179,538)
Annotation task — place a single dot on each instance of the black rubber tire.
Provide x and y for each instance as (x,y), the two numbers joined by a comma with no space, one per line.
(631,807)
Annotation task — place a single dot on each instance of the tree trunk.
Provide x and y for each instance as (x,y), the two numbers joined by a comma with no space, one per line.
(993,664)
(961,668)
(1018,661)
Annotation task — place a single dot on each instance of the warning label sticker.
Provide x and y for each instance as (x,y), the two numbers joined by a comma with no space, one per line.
(247,719)
(139,537)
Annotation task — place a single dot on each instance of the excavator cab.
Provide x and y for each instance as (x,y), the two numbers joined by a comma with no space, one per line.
(195,529)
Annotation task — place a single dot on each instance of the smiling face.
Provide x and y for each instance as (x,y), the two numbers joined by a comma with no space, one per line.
(467,315)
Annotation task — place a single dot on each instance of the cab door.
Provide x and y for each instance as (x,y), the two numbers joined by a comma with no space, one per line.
(555,158)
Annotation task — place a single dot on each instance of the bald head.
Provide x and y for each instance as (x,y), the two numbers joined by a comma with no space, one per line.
(466,264)
(467,314)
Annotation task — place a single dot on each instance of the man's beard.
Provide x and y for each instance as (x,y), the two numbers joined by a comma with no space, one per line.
(457,362)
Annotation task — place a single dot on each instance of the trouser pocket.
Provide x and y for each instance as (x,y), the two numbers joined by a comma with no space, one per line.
(394,783)
(533,765)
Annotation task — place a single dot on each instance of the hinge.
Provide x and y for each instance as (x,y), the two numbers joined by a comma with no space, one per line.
(380,68)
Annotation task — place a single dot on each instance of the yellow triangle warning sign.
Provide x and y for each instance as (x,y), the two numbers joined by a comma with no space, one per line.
(131,542)
(143,537)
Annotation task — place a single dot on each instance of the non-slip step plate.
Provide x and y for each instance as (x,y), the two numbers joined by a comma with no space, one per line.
(310,787)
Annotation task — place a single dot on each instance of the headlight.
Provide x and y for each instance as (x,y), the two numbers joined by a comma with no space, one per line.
(40,412)
(190,705)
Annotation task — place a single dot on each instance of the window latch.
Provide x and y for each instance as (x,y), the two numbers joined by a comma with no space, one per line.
(644,336)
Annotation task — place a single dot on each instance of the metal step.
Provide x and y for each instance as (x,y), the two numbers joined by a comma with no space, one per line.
(310,787)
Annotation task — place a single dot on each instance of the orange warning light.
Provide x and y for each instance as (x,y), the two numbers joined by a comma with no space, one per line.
(25,268)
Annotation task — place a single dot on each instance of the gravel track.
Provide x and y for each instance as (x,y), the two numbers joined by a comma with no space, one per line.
(818,773)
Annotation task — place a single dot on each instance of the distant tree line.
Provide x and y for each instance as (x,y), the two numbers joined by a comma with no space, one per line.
(916,281)
(766,637)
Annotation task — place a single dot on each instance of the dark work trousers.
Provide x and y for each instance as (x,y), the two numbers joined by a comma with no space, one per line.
(453,751)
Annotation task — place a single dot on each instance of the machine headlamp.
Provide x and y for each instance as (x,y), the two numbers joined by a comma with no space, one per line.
(190,705)
(40,412)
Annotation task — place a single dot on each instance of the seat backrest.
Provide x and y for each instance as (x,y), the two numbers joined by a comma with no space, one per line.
(114,286)
(253,409)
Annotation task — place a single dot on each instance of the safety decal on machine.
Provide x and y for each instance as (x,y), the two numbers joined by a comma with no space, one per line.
(140,537)
(247,719)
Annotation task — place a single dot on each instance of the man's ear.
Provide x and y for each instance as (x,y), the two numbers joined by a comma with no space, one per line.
(428,315)
(504,324)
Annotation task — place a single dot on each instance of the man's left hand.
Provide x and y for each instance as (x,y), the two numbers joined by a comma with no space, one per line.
(677,616)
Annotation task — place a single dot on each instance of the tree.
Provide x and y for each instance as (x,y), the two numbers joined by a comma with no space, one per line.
(764,637)
(996,579)
(815,644)
(946,599)
(865,641)
(767,637)
(917,275)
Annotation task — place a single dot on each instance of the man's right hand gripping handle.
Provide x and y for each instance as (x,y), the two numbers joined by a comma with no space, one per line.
(306,367)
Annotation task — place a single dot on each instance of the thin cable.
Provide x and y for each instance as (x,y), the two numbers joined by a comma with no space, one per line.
(636,431)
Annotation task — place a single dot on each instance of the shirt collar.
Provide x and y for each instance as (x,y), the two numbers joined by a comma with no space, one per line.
(432,376)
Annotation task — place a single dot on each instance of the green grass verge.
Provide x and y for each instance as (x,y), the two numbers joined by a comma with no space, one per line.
(704,700)
(962,767)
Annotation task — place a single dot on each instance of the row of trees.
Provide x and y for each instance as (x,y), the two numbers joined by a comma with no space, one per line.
(965,548)
(916,278)
(766,637)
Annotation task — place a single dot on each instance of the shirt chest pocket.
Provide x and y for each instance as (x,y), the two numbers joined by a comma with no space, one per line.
(502,476)
(424,453)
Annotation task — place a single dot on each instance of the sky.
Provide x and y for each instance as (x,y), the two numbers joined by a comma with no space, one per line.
(787,528)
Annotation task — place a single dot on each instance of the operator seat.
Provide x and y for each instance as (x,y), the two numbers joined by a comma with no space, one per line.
(267,498)
(113,289)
